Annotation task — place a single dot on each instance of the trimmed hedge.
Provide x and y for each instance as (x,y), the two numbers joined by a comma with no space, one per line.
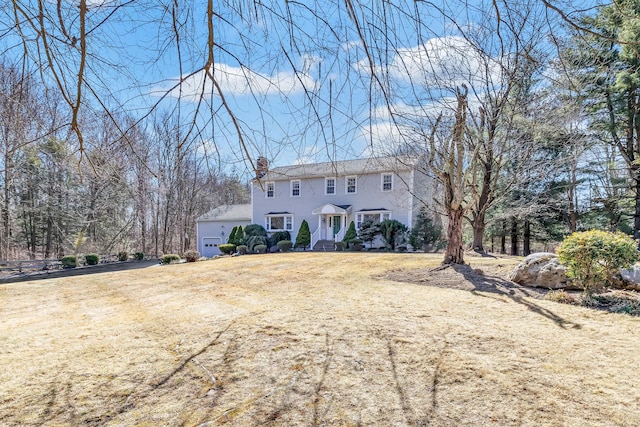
(69,261)
(92,259)
(285,245)
(169,258)
(227,248)
(260,249)
(242,249)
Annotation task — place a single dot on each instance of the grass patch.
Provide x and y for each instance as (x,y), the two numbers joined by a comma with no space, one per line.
(309,339)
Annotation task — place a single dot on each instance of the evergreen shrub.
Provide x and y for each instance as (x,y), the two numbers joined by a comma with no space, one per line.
(139,256)
(227,248)
(69,261)
(285,245)
(351,233)
(260,249)
(123,256)
(92,259)
(242,249)
(170,258)
(303,239)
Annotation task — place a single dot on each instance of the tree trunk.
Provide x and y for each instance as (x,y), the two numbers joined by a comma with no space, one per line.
(503,238)
(478,232)
(636,214)
(454,253)
(526,239)
(514,236)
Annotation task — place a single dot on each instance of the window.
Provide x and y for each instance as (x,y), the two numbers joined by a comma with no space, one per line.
(279,222)
(295,188)
(330,186)
(387,181)
(351,184)
(375,216)
(271,189)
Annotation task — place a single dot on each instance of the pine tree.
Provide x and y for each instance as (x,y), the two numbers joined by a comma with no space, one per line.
(303,239)
(232,236)
(351,233)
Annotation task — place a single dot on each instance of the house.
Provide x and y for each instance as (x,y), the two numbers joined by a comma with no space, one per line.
(213,228)
(330,195)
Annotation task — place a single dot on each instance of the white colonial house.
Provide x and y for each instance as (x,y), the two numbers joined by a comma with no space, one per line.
(330,195)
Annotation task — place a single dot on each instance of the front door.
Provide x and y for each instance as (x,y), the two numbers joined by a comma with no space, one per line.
(337,221)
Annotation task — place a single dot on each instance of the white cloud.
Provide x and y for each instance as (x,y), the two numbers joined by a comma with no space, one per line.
(385,138)
(443,62)
(236,81)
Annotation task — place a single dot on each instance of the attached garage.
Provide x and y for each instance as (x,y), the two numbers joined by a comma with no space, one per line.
(213,228)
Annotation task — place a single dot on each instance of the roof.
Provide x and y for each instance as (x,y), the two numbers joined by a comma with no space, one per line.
(342,168)
(228,213)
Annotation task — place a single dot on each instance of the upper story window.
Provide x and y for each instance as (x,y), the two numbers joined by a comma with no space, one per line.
(351,183)
(387,181)
(295,188)
(271,190)
(329,186)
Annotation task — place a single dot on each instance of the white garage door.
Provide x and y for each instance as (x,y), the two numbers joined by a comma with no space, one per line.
(210,246)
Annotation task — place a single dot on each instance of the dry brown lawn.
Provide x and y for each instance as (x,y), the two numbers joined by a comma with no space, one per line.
(310,339)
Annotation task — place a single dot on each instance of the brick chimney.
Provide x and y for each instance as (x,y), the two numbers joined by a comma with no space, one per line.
(262,167)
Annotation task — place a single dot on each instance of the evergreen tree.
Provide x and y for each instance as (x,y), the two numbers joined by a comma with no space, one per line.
(303,239)
(393,231)
(351,233)
(232,236)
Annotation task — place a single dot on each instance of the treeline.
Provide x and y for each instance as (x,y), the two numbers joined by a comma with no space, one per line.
(128,187)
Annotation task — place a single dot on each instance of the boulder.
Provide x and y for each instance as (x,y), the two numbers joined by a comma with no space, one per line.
(627,278)
(542,270)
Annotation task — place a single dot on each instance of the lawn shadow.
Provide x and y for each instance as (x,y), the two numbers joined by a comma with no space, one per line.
(483,283)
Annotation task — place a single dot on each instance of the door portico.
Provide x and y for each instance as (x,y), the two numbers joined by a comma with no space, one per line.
(332,220)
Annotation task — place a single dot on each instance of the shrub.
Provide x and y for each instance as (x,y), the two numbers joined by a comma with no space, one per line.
(351,233)
(368,231)
(92,259)
(252,241)
(340,246)
(123,256)
(279,236)
(592,257)
(356,245)
(260,249)
(242,249)
(139,256)
(169,258)
(192,256)
(69,261)
(425,235)
(227,248)
(239,236)
(393,232)
(285,245)
(303,239)
(232,236)
(254,230)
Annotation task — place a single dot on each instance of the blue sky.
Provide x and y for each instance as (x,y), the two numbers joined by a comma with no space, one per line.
(296,75)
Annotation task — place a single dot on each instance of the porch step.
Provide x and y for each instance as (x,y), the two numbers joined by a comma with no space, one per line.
(324,246)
